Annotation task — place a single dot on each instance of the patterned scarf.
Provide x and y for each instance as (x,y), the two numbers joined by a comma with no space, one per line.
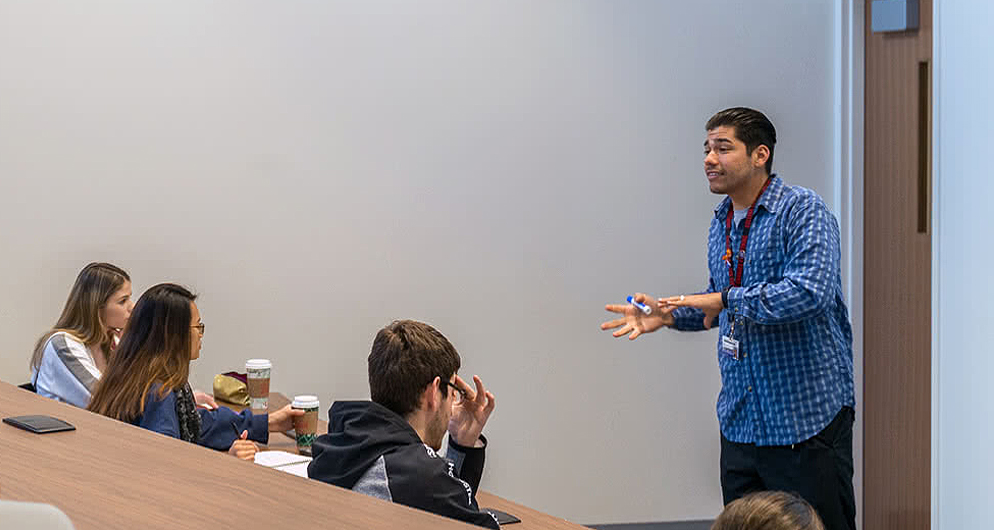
(189,418)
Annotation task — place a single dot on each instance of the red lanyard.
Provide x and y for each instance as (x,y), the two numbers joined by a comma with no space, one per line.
(735,278)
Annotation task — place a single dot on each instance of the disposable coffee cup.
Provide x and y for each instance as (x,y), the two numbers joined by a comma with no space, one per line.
(258,371)
(306,426)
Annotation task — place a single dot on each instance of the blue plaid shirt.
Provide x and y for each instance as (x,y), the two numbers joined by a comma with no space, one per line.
(795,366)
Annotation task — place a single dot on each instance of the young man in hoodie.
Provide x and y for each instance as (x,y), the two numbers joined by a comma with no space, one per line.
(388,447)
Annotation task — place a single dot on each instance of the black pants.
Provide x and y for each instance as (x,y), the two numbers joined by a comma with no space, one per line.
(819,469)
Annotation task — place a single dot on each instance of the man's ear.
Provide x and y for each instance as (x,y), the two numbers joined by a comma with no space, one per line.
(430,397)
(760,155)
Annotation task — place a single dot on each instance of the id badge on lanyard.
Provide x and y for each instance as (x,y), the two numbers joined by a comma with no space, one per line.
(730,346)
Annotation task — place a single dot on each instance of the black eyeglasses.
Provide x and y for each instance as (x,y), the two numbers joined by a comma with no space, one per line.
(201,327)
(459,391)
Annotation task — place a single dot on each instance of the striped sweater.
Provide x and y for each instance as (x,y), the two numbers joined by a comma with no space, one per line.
(67,371)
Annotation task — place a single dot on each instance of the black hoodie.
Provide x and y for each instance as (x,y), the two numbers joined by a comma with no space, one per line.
(373,450)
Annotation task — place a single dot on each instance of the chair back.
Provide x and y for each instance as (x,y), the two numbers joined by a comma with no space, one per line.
(33,516)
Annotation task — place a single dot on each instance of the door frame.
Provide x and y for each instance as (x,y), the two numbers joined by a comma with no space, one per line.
(849,58)
(936,222)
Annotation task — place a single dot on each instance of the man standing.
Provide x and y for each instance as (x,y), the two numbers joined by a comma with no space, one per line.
(786,405)
(388,447)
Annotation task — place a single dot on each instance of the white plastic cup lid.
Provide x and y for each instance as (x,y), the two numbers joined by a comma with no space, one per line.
(258,364)
(306,402)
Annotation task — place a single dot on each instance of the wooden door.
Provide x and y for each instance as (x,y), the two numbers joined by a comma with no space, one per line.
(897,277)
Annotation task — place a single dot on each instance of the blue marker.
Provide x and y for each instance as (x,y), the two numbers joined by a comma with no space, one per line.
(645,309)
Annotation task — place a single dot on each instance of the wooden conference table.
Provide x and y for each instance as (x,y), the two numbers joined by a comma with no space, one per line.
(109,474)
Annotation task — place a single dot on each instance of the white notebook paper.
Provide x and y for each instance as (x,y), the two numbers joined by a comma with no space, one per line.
(295,469)
(280,459)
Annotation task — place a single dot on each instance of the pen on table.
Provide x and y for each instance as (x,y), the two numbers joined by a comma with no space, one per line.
(645,309)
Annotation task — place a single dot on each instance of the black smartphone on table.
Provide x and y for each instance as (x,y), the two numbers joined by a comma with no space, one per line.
(39,424)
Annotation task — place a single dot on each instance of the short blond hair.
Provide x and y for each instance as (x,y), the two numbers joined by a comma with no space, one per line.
(768,510)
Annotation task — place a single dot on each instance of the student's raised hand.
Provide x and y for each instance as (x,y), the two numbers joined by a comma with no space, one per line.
(282,420)
(710,303)
(634,322)
(243,448)
(470,413)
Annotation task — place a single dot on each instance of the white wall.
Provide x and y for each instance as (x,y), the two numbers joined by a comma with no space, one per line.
(961,406)
(500,169)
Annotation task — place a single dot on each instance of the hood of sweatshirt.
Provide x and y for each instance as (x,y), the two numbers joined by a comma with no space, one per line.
(359,432)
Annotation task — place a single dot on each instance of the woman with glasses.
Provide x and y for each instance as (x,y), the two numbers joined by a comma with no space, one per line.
(69,358)
(147,383)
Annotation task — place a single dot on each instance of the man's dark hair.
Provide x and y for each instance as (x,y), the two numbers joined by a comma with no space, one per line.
(752,128)
(405,358)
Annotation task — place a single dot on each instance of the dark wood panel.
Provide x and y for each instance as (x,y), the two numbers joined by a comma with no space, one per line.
(897,285)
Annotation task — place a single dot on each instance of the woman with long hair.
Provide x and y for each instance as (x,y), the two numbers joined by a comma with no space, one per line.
(69,358)
(146,382)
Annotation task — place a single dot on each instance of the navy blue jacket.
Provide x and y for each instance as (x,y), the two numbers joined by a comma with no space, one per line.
(217,427)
